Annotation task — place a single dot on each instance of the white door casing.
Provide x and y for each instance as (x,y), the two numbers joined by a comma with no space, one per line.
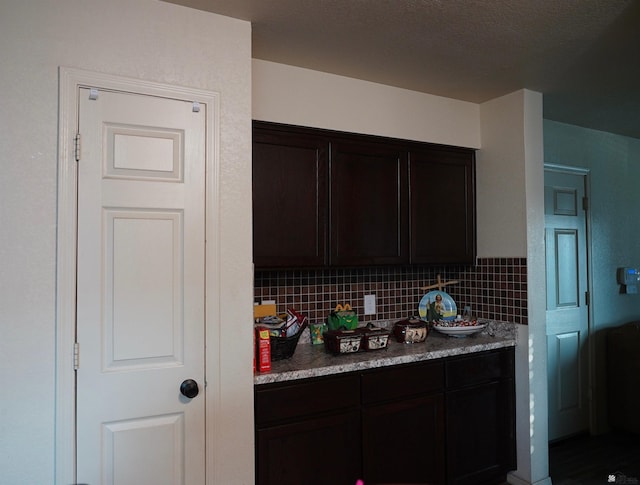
(141,294)
(567,316)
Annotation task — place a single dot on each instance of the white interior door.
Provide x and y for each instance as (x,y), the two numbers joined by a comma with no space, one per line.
(567,310)
(140,290)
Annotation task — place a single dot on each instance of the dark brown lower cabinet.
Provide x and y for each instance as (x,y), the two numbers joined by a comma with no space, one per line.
(445,421)
(403,424)
(478,435)
(315,451)
(480,418)
(403,441)
(309,431)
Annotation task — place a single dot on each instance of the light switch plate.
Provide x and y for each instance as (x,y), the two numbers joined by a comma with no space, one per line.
(369,304)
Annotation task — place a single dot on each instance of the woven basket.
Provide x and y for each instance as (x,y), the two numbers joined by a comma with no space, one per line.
(284,347)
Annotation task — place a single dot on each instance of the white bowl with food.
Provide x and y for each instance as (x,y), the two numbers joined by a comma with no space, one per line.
(459,328)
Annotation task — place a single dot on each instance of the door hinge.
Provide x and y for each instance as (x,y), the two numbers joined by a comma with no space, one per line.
(76,355)
(587,298)
(585,203)
(77,147)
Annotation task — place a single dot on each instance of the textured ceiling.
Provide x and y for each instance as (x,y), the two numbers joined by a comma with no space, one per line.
(583,55)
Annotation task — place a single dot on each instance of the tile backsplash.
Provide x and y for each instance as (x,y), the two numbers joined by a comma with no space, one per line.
(495,288)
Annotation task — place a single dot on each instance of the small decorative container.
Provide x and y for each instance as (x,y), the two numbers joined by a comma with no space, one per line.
(410,331)
(342,341)
(374,338)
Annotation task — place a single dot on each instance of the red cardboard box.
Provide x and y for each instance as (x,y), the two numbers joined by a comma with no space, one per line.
(263,344)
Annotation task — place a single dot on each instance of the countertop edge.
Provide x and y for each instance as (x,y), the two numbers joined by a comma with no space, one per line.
(313,361)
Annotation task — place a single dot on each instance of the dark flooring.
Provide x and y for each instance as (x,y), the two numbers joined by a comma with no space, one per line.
(591,460)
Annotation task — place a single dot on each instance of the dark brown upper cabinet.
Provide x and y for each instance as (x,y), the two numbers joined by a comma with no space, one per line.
(368,199)
(290,198)
(323,198)
(442,194)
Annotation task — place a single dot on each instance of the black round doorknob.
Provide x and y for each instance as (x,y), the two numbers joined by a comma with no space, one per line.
(189,388)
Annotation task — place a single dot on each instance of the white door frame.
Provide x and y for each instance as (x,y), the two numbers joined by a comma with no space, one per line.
(551,167)
(70,81)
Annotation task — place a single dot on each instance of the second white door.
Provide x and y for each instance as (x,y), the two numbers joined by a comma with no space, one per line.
(567,310)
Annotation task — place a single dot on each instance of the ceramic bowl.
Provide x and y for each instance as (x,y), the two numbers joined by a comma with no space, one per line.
(410,331)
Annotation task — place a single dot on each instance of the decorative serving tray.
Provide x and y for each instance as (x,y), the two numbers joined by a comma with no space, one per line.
(437,305)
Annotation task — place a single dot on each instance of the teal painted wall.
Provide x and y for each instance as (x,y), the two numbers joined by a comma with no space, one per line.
(614,165)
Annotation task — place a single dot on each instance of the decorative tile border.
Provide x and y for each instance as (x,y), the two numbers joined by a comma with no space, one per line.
(495,288)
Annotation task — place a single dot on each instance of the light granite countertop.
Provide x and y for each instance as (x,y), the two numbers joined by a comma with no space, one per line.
(313,361)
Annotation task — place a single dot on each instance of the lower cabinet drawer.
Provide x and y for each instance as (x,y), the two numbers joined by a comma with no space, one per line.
(392,383)
(275,402)
(474,369)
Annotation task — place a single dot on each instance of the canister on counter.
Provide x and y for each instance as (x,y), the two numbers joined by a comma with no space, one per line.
(342,341)
(409,331)
(374,338)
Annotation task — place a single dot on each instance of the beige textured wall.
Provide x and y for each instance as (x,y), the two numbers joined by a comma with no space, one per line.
(500,179)
(144,39)
(287,94)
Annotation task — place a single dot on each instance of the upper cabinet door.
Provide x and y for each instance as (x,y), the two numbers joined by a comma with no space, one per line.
(369,214)
(442,194)
(290,206)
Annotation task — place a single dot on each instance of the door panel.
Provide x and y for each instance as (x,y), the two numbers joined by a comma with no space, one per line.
(140,326)
(126,458)
(568,375)
(135,152)
(143,254)
(567,311)
(566,269)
